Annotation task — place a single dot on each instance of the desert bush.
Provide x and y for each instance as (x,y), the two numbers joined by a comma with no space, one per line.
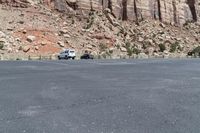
(128,48)
(127,45)
(136,51)
(162,47)
(118,46)
(196,50)
(129,52)
(90,21)
(104,56)
(89,25)
(1,45)
(110,51)
(174,47)
(102,47)
(131,49)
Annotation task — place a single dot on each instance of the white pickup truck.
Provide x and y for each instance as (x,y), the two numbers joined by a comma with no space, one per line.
(67,54)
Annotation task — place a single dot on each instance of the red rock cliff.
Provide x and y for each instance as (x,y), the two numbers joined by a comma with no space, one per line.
(170,11)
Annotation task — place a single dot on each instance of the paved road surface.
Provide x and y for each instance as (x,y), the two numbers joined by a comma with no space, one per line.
(104,96)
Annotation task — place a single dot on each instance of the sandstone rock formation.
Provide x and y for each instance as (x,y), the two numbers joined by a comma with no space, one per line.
(170,11)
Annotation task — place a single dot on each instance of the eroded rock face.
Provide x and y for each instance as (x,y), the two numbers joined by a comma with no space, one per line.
(170,11)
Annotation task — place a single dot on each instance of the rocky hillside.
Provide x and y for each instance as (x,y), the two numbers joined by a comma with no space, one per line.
(107,28)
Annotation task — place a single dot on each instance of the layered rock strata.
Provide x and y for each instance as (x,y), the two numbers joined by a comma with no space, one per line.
(170,11)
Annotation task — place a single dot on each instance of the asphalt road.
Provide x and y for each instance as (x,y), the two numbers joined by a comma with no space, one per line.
(100,96)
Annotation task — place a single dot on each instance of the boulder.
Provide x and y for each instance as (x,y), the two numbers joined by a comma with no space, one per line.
(63,31)
(140,39)
(142,56)
(9,50)
(36,48)
(89,46)
(43,43)
(26,48)
(3,40)
(24,31)
(123,49)
(162,25)
(66,35)
(61,44)
(31,38)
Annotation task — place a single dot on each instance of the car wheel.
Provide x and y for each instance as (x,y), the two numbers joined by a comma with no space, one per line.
(66,58)
(73,58)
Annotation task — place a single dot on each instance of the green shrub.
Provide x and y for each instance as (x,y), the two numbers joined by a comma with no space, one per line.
(90,22)
(162,47)
(127,45)
(118,46)
(174,47)
(129,52)
(1,45)
(102,47)
(110,51)
(89,25)
(196,50)
(91,13)
(180,48)
(187,23)
(128,48)
(131,49)
(104,55)
(136,51)
(144,45)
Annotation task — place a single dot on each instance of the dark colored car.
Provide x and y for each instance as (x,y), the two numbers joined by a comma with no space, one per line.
(87,56)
